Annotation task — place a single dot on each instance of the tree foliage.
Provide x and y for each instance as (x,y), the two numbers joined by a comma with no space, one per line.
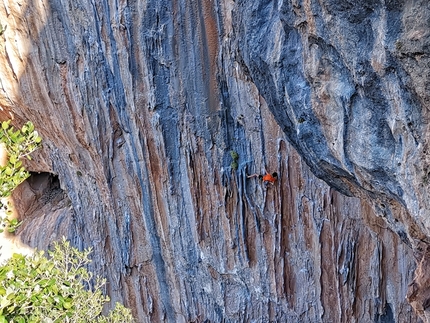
(18,143)
(52,289)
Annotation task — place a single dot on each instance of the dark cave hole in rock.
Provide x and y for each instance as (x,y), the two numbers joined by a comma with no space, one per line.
(47,184)
(386,317)
(40,190)
(44,209)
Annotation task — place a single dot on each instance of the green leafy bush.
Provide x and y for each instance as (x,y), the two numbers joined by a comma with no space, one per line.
(19,143)
(57,288)
(235,156)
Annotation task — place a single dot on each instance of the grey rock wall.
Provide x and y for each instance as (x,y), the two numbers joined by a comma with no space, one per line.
(140,105)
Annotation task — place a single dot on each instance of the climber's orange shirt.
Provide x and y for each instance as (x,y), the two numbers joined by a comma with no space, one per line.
(269,178)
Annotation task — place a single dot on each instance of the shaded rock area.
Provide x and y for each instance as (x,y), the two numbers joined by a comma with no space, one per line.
(140,105)
(45,206)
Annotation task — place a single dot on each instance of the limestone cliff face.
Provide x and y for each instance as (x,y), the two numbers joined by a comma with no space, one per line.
(140,104)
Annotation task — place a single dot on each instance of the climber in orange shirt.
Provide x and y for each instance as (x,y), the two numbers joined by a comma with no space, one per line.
(268,178)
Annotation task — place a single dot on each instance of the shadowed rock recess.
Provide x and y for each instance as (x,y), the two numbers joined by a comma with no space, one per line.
(140,104)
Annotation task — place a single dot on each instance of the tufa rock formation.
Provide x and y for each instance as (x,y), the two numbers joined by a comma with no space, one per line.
(140,105)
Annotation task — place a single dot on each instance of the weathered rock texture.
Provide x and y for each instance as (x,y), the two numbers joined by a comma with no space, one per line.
(140,103)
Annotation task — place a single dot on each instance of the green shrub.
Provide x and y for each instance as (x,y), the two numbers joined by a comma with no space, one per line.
(57,288)
(19,143)
(235,156)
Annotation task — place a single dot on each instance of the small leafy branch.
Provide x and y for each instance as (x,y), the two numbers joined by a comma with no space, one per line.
(235,157)
(19,143)
(54,289)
